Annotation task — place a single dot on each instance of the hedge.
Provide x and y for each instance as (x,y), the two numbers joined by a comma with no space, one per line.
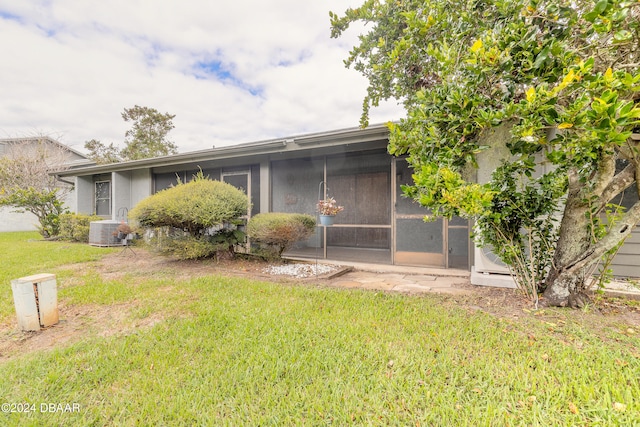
(75,227)
(279,231)
(194,220)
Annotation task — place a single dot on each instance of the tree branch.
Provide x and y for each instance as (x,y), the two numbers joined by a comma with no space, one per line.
(618,183)
(605,172)
(616,234)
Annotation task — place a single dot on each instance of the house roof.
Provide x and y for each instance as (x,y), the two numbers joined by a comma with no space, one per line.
(47,139)
(287,144)
(76,158)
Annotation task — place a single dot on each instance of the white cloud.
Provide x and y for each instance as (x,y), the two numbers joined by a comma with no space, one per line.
(231,72)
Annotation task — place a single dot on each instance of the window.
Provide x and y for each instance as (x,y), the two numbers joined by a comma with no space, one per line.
(629,196)
(103,198)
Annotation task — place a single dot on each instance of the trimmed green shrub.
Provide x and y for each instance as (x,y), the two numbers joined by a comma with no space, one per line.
(75,227)
(279,231)
(193,220)
(217,243)
(184,246)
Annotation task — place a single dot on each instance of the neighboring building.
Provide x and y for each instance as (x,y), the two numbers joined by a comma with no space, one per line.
(13,221)
(378,224)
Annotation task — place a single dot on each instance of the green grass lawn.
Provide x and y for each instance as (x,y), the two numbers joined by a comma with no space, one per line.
(232,351)
(25,254)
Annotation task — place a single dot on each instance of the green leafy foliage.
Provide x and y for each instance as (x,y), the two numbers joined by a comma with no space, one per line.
(215,243)
(194,206)
(75,227)
(521,224)
(561,76)
(195,219)
(44,204)
(101,153)
(27,182)
(148,134)
(279,231)
(147,138)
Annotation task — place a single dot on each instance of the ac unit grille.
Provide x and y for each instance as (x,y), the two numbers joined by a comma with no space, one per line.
(101,233)
(488,262)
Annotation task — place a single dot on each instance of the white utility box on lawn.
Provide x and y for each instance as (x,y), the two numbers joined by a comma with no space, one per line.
(36,301)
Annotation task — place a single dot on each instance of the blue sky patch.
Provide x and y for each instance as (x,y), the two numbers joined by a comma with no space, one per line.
(301,57)
(217,70)
(10,16)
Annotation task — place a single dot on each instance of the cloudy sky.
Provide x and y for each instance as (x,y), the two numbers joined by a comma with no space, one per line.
(231,71)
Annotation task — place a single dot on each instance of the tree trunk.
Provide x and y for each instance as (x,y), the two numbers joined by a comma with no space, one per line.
(576,252)
(566,290)
(573,240)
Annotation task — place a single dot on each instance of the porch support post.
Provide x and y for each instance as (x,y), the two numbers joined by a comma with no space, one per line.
(265,186)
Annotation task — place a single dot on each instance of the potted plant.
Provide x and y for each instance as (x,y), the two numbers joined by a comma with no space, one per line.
(328,208)
(123,231)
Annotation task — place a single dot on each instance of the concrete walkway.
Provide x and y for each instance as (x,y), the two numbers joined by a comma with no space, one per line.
(401,279)
(410,283)
(431,280)
(623,290)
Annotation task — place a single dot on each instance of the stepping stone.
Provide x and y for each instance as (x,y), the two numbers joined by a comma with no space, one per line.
(421,279)
(411,287)
(378,285)
(372,279)
(449,290)
(348,284)
(449,281)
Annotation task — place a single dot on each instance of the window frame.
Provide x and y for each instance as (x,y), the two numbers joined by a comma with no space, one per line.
(108,199)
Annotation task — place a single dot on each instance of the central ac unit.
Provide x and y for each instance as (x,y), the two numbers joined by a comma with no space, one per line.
(103,233)
(486,261)
(489,270)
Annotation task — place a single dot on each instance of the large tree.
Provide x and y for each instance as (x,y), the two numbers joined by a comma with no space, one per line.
(26,183)
(101,153)
(147,137)
(561,76)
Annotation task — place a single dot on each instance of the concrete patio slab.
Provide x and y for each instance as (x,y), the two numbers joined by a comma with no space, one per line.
(414,287)
(445,281)
(347,284)
(383,286)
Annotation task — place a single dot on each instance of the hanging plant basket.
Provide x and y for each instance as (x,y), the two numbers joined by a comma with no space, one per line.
(327,220)
(327,210)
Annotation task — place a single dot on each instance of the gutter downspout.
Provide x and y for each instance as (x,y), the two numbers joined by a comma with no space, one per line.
(59,178)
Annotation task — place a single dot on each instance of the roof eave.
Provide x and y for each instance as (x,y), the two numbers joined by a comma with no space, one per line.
(329,138)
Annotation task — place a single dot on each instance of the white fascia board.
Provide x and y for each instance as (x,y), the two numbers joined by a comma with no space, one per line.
(301,142)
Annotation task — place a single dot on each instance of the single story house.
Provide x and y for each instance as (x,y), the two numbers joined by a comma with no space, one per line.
(378,224)
(59,155)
